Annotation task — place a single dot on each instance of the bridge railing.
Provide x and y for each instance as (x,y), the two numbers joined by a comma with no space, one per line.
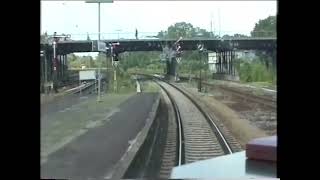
(123,35)
(153,35)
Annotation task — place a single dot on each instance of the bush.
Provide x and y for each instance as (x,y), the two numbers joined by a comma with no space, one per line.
(245,72)
(256,71)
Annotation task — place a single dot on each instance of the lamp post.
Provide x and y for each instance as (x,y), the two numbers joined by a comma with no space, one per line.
(99,1)
(99,70)
(118,30)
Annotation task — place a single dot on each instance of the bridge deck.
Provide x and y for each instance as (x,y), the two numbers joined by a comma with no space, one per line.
(66,47)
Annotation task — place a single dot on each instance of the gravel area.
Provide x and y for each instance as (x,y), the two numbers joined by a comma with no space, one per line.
(255,90)
(261,117)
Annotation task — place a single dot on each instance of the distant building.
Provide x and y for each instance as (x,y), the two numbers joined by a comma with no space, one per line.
(212,60)
(247,54)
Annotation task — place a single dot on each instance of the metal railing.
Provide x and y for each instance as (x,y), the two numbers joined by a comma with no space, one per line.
(153,35)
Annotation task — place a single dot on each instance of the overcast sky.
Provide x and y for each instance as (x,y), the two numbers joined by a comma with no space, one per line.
(78,17)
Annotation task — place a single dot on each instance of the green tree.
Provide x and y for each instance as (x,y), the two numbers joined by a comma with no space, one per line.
(239,36)
(75,64)
(180,29)
(198,32)
(184,30)
(234,36)
(101,60)
(162,34)
(246,72)
(71,57)
(265,27)
(91,62)
(226,36)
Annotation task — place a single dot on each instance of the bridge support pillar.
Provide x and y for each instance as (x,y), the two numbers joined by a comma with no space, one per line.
(57,68)
(219,63)
(273,56)
(62,67)
(222,65)
(172,69)
(225,65)
(233,63)
(272,65)
(66,67)
(230,64)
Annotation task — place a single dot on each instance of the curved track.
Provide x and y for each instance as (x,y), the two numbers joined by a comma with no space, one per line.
(201,139)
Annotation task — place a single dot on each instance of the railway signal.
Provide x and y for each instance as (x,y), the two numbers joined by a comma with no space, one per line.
(201,51)
(114,51)
(200,47)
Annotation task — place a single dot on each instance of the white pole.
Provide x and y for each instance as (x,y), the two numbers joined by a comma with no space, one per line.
(54,49)
(211,26)
(114,71)
(55,65)
(219,22)
(99,76)
(99,20)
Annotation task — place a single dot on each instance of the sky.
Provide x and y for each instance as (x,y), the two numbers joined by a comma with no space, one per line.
(120,18)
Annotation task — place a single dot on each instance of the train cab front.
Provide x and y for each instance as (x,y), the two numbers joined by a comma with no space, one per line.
(258,161)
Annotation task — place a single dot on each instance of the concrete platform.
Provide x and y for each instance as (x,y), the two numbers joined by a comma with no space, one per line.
(94,154)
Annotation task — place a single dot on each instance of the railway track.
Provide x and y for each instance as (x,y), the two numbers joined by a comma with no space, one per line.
(267,102)
(264,101)
(192,134)
(173,147)
(85,89)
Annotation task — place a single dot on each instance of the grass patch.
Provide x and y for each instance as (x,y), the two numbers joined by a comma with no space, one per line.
(150,87)
(256,71)
(263,85)
(124,84)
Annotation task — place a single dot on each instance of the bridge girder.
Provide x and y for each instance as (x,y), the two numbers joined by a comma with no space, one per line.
(67,47)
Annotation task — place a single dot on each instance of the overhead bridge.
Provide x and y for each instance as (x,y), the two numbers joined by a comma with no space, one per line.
(66,47)
(223,47)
